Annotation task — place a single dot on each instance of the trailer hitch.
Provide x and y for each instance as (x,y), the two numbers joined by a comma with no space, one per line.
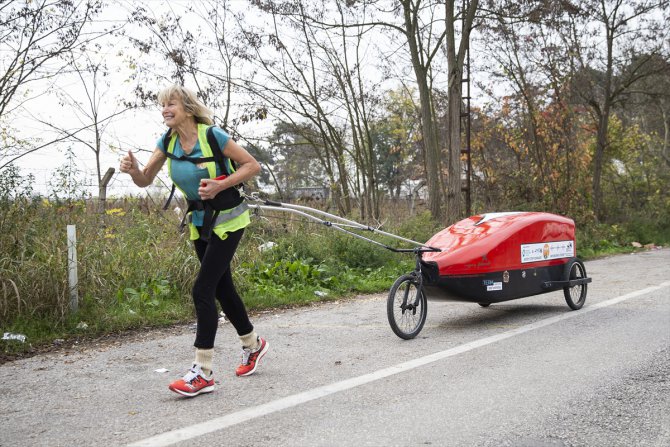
(570,283)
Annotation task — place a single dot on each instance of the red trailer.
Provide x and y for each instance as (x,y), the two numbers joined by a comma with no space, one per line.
(484,259)
(487,259)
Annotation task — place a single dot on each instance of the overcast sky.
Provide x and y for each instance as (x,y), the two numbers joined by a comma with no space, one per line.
(138,129)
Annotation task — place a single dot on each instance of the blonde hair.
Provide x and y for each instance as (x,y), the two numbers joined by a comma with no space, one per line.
(189,99)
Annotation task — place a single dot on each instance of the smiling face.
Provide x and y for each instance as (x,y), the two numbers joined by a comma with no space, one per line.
(174,113)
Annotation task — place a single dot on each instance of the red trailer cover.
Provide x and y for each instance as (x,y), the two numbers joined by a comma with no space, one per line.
(495,242)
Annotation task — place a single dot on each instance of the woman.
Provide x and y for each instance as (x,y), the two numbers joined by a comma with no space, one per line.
(188,119)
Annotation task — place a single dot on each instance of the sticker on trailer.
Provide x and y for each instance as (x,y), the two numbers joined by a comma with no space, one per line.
(494,286)
(545,251)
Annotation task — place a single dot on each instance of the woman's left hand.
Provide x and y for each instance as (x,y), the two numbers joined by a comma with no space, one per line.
(209,188)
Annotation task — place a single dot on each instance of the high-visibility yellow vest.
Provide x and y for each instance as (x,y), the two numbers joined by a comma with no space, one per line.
(228,220)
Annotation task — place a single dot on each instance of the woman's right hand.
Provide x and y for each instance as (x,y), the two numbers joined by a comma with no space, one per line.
(145,176)
(129,164)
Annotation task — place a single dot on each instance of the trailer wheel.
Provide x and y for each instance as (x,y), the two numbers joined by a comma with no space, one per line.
(406,307)
(575,295)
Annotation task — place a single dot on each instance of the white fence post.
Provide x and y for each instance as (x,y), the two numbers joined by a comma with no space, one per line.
(72,266)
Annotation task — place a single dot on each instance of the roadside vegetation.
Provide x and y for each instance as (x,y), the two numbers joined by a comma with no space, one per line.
(570,114)
(135,270)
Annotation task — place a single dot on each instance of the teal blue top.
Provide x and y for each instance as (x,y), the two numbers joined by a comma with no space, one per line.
(187,175)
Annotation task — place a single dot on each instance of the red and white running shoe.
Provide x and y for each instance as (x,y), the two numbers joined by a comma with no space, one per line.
(251,359)
(193,383)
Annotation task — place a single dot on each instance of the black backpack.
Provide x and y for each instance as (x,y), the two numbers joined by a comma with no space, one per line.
(225,200)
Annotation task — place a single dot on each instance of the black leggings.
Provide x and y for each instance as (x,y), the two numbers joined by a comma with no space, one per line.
(215,281)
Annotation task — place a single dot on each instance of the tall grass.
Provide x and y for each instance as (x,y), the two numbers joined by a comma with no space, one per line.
(133,269)
(136,269)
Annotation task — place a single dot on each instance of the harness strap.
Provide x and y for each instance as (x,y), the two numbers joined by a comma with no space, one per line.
(195,160)
(169,199)
(232,214)
(216,152)
(212,208)
(212,217)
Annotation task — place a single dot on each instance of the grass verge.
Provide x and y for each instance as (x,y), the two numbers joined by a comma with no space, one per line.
(136,271)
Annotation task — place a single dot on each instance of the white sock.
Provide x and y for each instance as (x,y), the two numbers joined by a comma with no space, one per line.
(203,357)
(250,341)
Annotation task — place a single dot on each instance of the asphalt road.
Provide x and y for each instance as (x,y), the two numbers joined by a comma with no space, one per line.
(529,372)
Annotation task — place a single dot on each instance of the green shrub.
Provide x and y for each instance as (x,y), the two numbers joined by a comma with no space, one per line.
(136,270)
(419,228)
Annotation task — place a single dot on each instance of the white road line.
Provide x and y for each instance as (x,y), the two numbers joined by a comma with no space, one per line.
(216,424)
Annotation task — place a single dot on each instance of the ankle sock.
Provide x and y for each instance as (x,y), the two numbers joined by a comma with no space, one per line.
(203,357)
(250,341)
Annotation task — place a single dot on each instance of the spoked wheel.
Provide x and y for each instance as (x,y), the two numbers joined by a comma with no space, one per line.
(406,307)
(575,295)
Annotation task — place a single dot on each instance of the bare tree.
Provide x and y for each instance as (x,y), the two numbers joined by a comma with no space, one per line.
(303,79)
(34,36)
(172,51)
(418,28)
(38,40)
(513,35)
(418,23)
(92,110)
(425,27)
(205,48)
(625,26)
(344,56)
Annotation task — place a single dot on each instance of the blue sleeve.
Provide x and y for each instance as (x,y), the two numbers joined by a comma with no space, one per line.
(221,136)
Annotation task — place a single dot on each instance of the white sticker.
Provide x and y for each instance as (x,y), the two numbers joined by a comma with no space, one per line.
(545,251)
(494,286)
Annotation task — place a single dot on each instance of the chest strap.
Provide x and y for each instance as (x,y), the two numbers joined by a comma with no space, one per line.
(192,159)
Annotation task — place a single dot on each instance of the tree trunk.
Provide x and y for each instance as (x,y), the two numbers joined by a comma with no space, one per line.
(102,190)
(598,157)
(603,123)
(454,182)
(455,61)
(666,137)
(430,140)
(431,150)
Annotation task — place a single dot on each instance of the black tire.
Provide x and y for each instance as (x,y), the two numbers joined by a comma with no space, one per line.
(484,304)
(575,295)
(408,322)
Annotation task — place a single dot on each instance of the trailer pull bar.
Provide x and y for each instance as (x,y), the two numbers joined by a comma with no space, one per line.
(336,222)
